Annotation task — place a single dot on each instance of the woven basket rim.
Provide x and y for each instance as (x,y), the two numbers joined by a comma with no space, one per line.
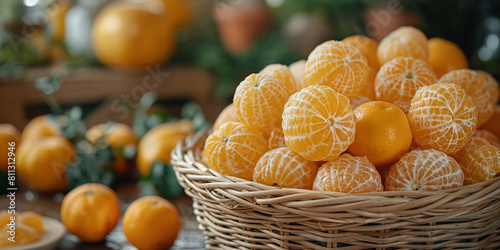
(184,149)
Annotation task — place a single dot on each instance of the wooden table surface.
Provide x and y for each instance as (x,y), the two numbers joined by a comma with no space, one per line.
(190,236)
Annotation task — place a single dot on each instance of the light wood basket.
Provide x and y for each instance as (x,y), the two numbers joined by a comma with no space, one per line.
(238,214)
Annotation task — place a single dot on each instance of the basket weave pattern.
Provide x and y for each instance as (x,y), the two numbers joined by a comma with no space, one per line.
(240,214)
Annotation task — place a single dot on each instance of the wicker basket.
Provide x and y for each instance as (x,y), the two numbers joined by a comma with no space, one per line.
(240,214)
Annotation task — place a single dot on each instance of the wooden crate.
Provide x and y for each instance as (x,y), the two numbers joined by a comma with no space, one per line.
(107,86)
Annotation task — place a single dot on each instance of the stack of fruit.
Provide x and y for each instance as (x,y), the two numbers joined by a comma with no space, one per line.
(357,116)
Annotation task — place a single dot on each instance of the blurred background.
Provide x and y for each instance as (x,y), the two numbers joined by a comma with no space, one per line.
(122,81)
(95,52)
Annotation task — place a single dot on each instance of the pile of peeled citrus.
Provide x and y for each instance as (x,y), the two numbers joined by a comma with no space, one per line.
(358,116)
(20,228)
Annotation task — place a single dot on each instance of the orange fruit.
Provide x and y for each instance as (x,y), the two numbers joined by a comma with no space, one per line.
(276,138)
(40,126)
(297,68)
(179,11)
(226,115)
(90,211)
(443,117)
(157,144)
(358,101)
(117,136)
(151,222)
(492,123)
(368,47)
(399,79)
(318,123)
(348,174)
(368,88)
(8,134)
(481,164)
(405,41)
(32,220)
(445,56)
(284,168)
(338,65)
(479,139)
(151,43)
(382,133)
(282,73)
(259,100)
(24,235)
(478,84)
(41,163)
(234,149)
(424,170)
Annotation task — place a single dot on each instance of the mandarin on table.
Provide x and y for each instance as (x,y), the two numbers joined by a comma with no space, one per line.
(40,126)
(480,138)
(226,115)
(284,168)
(424,170)
(442,116)
(382,133)
(481,164)
(259,100)
(151,222)
(234,149)
(478,84)
(405,41)
(283,73)
(90,211)
(276,139)
(399,79)
(338,65)
(492,124)
(445,56)
(297,68)
(367,46)
(318,123)
(348,174)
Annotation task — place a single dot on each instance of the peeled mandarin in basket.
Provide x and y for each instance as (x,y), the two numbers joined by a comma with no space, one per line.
(442,116)
(405,41)
(297,68)
(226,115)
(425,170)
(284,168)
(33,220)
(318,123)
(90,211)
(259,100)
(348,174)
(338,65)
(234,149)
(481,86)
(276,138)
(481,164)
(151,222)
(382,133)
(480,138)
(367,46)
(399,79)
(283,73)
(445,56)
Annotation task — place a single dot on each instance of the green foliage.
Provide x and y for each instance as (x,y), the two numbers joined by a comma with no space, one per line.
(162,181)
(92,165)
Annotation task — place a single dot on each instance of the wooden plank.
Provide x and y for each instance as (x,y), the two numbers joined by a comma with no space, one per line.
(90,85)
